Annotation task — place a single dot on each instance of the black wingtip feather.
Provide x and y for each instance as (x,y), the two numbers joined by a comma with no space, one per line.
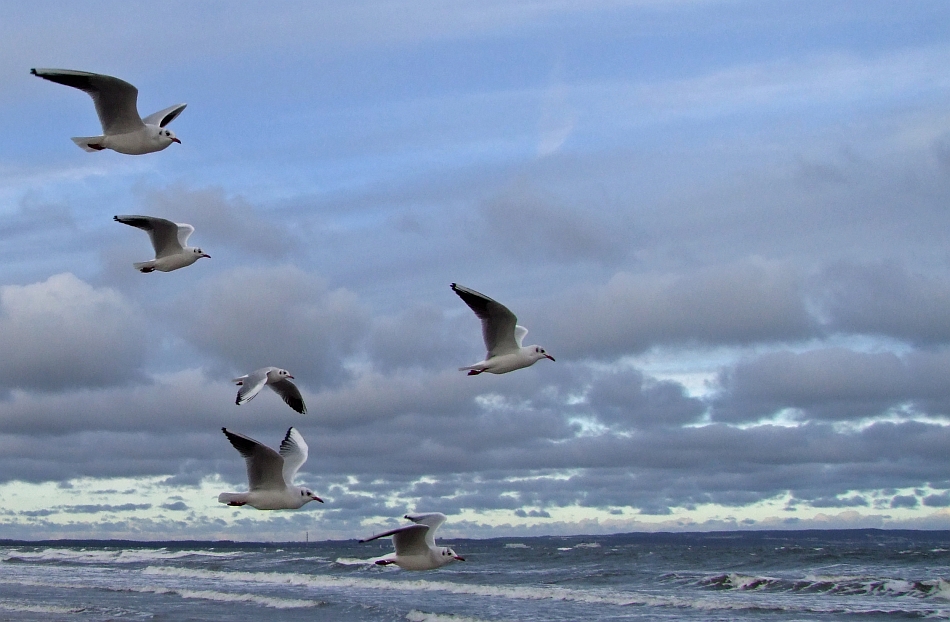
(33,71)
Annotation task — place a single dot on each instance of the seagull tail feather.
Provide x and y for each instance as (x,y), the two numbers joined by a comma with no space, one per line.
(89,143)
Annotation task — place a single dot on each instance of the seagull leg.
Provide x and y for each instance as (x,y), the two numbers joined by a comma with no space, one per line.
(384,562)
(475,372)
(95,146)
(146,270)
(236,503)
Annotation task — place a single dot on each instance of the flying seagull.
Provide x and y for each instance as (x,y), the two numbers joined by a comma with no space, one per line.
(277,379)
(502,336)
(169,240)
(415,544)
(122,128)
(271,474)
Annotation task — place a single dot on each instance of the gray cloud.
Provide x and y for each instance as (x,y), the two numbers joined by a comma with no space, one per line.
(524,224)
(833,383)
(222,221)
(68,334)
(885,298)
(729,209)
(629,399)
(738,304)
(251,318)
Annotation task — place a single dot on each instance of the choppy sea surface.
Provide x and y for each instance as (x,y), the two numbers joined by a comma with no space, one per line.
(777,575)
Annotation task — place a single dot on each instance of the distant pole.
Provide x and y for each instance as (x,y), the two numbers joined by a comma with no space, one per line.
(308,537)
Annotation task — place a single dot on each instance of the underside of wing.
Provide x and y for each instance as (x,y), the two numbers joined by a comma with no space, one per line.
(407,540)
(520,332)
(164,117)
(498,322)
(184,232)
(163,233)
(115,99)
(294,451)
(264,465)
(251,385)
(289,392)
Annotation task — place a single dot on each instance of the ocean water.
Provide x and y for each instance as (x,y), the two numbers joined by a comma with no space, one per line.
(778,575)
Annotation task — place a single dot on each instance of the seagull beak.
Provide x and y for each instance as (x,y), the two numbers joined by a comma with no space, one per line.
(209,257)
(289,376)
(316,498)
(175,140)
(549,356)
(460,558)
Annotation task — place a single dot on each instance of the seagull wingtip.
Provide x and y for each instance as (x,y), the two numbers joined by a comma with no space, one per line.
(33,71)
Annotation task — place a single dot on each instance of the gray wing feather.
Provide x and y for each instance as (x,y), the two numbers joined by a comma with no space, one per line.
(289,392)
(407,540)
(498,323)
(163,233)
(164,117)
(264,465)
(115,99)
(432,520)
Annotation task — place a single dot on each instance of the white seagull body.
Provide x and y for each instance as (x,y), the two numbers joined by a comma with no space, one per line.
(502,336)
(275,378)
(270,474)
(170,241)
(123,130)
(415,544)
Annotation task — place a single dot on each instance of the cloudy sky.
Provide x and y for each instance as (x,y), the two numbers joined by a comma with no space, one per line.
(727,220)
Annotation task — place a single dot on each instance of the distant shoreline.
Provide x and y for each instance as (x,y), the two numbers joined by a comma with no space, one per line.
(749,535)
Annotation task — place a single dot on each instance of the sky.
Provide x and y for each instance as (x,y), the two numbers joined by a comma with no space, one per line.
(727,220)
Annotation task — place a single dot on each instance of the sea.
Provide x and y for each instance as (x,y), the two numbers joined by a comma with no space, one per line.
(753,575)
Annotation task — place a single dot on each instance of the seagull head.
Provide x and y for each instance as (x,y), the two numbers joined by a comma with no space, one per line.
(200,253)
(306,492)
(451,555)
(168,136)
(538,353)
(283,373)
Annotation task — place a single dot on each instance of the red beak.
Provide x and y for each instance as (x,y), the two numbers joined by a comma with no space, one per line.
(460,558)
(316,498)
(549,356)
(209,257)
(289,376)
(175,140)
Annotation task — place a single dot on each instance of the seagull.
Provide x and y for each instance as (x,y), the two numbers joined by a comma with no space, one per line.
(415,544)
(270,474)
(122,127)
(277,379)
(168,239)
(502,336)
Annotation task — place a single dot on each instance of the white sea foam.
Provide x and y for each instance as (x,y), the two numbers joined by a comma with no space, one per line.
(587,545)
(422,616)
(516,545)
(267,601)
(213,595)
(6,605)
(99,556)
(707,602)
